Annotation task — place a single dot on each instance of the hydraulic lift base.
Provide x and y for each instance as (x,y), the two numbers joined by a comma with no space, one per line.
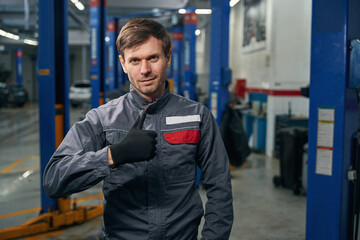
(51,221)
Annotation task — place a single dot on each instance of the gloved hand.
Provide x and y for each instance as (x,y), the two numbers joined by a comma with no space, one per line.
(138,145)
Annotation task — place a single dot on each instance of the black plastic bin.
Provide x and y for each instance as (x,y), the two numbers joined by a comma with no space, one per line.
(291,149)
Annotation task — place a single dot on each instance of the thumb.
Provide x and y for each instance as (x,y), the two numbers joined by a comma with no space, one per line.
(140,120)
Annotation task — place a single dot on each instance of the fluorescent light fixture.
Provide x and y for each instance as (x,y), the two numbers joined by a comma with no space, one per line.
(233,2)
(78,4)
(197,32)
(9,35)
(203,11)
(182,11)
(197,11)
(31,42)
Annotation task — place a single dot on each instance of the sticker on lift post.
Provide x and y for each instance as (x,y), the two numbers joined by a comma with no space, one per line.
(214,100)
(325,141)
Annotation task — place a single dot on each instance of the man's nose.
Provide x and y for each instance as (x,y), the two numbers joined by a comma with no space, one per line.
(145,67)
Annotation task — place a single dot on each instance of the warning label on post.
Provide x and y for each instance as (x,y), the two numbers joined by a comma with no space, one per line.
(325,141)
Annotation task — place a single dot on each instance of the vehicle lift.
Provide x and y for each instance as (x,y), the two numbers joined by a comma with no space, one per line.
(190,77)
(54,120)
(113,58)
(19,78)
(176,59)
(333,154)
(97,52)
(220,73)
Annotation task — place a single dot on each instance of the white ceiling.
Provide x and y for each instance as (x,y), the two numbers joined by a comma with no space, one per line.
(20,16)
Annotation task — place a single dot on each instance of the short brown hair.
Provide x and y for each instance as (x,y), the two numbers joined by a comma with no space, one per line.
(138,30)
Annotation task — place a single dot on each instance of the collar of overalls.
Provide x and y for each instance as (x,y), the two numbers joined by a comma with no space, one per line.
(151,105)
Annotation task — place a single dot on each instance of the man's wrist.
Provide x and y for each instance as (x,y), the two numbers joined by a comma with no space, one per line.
(110,160)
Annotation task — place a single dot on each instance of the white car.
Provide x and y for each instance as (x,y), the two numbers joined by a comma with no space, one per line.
(80,92)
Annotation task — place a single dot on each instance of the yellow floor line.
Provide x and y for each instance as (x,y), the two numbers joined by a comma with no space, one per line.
(24,169)
(38,209)
(86,198)
(44,235)
(14,164)
(17,162)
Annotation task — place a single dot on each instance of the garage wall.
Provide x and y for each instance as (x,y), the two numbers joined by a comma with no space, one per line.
(284,61)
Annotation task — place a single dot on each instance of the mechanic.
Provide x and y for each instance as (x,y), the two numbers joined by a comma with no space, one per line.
(145,147)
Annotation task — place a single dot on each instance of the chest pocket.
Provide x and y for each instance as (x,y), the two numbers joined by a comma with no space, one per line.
(125,174)
(180,141)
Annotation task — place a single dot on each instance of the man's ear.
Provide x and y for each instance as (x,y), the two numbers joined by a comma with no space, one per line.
(122,61)
(168,59)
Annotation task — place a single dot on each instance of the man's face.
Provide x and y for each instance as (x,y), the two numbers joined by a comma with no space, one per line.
(146,66)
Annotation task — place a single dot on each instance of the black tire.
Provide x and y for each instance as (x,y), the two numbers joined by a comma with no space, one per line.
(75,105)
(297,188)
(277,181)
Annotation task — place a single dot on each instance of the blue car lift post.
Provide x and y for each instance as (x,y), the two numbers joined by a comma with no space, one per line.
(19,78)
(177,41)
(120,77)
(113,58)
(332,119)
(190,77)
(97,52)
(220,73)
(54,119)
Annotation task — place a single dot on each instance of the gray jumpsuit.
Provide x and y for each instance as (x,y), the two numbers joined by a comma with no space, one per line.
(155,199)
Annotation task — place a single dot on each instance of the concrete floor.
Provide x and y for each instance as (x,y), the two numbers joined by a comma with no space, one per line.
(261,210)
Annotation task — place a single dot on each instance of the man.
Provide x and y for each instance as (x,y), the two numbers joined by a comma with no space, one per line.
(145,147)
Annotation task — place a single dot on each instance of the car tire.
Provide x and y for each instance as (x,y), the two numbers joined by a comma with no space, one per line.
(75,105)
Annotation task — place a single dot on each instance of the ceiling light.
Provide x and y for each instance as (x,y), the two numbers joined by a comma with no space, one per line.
(203,11)
(31,42)
(9,35)
(182,11)
(78,4)
(233,2)
(197,11)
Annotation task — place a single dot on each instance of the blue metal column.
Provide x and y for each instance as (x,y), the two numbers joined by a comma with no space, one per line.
(190,77)
(53,82)
(220,74)
(122,76)
(113,56)
(332,106)
(19,78)
(177,41)
(97,45)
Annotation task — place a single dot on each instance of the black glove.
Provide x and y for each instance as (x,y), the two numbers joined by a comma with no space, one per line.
(138,145)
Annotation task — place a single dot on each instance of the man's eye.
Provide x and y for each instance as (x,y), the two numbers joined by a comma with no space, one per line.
(134,60)
(154,58)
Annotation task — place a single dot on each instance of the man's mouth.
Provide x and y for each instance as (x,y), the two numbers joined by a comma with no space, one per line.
(148,79)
